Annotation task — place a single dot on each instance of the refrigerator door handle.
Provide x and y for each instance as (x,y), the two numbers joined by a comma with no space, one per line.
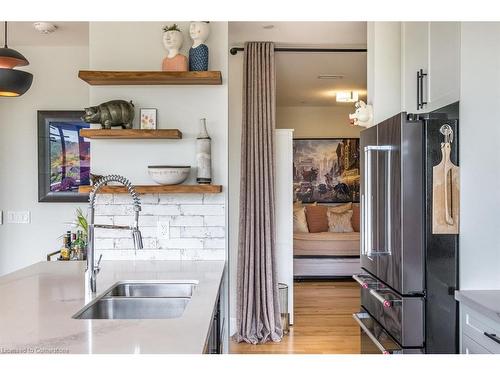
(367,206)
(368,213)
(388,199)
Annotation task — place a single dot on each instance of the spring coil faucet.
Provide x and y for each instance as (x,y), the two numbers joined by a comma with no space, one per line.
(92,268)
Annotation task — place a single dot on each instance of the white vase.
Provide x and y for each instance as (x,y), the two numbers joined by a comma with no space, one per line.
(204,155)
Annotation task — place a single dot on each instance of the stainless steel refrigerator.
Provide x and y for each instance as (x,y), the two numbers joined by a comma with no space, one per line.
(409,275)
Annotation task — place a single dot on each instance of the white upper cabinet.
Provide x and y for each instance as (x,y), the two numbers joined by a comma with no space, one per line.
(430,65)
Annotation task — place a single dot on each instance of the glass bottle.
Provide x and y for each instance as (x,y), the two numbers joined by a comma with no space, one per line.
(65,250)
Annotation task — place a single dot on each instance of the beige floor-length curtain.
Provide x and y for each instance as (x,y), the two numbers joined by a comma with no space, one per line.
(258,317)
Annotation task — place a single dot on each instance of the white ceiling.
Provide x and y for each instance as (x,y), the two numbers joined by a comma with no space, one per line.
(67,34)
(297,82)
(299,33)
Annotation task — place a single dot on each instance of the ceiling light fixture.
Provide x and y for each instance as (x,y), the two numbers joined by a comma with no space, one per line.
(268,27)
(13,82)
(347,96)
(45,27)
(330,76)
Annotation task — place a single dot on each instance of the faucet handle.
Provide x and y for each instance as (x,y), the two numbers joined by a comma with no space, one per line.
(98,266)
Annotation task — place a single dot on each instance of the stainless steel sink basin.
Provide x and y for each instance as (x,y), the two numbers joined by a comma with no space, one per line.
(151,289)
(140,300)
(134,308)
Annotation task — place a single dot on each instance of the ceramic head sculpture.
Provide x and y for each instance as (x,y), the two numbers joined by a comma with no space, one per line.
(172,40)
(198,54)
(363,116)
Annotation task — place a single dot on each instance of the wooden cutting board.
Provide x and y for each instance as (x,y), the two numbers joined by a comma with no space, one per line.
(445,194)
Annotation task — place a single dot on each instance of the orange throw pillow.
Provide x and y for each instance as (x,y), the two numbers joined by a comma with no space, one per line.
(317,221)
(356,217)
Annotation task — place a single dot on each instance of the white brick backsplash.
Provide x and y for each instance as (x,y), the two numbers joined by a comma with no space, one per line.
(197,226)
(203,232)
(186,221)
(214,243)
(106,220)
(160,209)
(181,198)
(202,209)
(104,198)
(127,199)
(144,254)
(144,221)
(214,221)
(112,233)
(181,243)
(213,199)
(175,232)
(103,244)
(113,210)
(205,254)
(127,243)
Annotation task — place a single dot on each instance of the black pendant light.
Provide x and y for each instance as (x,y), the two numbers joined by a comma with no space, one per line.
(13,82)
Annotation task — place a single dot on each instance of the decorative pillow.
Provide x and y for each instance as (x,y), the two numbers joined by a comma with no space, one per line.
(299,219)
(341,207)
(339,222)
(356,217)
(316,219)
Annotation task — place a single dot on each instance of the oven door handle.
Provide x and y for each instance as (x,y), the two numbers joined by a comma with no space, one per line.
(370,335)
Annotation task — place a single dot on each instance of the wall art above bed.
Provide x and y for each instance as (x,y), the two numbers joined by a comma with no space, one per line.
(326,170)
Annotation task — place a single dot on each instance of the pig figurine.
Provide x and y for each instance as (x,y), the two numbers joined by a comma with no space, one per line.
(112,113)
(363,116)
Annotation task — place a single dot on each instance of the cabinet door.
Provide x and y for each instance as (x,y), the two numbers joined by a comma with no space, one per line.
(444,64)
(415,41)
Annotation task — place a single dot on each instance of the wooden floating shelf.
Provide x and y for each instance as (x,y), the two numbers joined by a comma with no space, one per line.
(103,78)
(131,134)
(163,189)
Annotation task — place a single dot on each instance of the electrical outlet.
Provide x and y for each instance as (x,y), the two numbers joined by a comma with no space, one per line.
(18,217)
(163,230)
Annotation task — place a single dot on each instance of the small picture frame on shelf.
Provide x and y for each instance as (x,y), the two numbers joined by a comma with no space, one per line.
(148,118)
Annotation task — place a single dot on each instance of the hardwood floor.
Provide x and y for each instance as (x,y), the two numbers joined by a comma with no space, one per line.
(323,322)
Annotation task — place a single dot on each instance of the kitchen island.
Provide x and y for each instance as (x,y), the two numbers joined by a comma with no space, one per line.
(39,301)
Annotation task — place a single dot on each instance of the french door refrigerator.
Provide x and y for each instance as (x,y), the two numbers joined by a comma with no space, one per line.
(409,275)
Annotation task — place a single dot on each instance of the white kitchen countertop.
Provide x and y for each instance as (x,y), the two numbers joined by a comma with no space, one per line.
(486,302)
(37,304)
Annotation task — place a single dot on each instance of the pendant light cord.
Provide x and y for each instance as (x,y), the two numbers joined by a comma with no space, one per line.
(5,36)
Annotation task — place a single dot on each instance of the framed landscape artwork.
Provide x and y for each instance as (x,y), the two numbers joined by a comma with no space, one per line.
(326,170)
(63,156)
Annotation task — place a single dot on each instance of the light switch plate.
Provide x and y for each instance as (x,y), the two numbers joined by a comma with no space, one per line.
(18,217)
(163,230)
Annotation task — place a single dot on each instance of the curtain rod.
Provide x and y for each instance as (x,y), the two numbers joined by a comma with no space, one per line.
(235,50)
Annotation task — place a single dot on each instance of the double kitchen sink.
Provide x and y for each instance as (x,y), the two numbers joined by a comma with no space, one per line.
(140,300)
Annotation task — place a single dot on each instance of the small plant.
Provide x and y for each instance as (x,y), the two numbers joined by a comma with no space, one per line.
(81,220)
(174,27)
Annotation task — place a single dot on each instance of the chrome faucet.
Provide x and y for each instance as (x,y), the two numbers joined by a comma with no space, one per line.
(92,268)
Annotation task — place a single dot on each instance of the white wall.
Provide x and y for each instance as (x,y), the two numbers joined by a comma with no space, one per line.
(55,87)
(480,156)
(317,121)
(384,69)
